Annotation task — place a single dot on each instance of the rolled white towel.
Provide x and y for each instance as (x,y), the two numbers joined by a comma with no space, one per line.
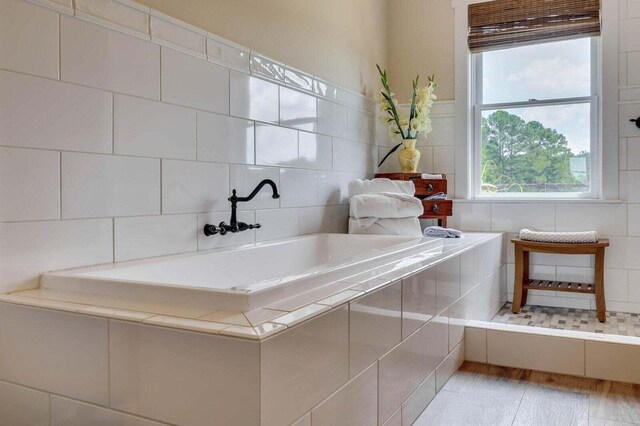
(380,185)
(387,205)
(431,176)
(559,237)
(408,226)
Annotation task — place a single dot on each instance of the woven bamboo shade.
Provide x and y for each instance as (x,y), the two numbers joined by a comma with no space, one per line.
(503,23)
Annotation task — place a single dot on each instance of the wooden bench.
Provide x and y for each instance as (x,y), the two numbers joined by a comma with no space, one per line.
(522,284)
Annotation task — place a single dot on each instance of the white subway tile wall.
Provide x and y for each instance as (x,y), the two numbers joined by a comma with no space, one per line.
(124,131)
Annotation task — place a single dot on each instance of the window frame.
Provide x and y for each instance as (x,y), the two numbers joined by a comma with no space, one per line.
(476,108)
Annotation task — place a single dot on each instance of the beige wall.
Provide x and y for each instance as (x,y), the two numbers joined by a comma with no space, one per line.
(421,41)
(338,40)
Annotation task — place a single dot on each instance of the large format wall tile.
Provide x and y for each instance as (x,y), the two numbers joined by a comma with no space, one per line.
(277,223)
(297,110)
(153,129)
(80,120)
(254,98)
(332,119)
(105,185)
(29,184)
(418,300)
(447,283)
(193,82)
(28,249)
(225,139)
(55,351)
(356,404)
(299,367)
(374,326)
(299,188)
(96,56)
(194,187)
(183,377)
(67,412)
(28,38)
(276,146)
(314,151)
(407,365)
(149,236)
(20,406)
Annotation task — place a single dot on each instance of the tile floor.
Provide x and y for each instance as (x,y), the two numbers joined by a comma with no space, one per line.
(480,394)
(619,323)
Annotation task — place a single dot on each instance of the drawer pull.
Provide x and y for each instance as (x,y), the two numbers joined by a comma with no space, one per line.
(435,208)
(430,188)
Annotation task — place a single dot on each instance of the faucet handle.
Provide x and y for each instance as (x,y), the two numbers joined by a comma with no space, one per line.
(244,226)
(256,226)
(210,230)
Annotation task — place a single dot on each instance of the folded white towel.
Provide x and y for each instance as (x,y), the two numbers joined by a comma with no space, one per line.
(408,226)
(440,232)
(387,205)
(559,237)
(431,176)
(379,185)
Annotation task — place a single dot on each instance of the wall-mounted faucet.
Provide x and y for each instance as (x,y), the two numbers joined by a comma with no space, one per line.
(235,226)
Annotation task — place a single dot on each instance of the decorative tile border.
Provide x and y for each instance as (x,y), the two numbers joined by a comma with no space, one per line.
(134,19)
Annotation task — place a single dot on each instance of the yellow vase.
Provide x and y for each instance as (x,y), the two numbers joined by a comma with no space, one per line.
(409,157)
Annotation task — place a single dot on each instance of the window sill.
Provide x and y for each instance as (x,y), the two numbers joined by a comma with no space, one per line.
(537,200)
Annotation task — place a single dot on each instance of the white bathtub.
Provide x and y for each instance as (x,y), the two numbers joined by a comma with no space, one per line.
(242,278)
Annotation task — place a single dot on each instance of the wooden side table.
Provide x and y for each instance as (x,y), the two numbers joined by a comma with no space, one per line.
(433,209)
(522,284)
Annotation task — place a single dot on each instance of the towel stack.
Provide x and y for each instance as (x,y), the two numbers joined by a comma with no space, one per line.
(384,207)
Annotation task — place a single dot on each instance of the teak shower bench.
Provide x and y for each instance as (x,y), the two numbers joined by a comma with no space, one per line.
(522,284)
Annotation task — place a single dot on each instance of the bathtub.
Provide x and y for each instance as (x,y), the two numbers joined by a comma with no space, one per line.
(245,277)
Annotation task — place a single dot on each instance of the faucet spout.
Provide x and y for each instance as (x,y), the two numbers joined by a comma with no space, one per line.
(257,189)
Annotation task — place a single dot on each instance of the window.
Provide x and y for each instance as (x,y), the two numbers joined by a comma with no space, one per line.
(535,120)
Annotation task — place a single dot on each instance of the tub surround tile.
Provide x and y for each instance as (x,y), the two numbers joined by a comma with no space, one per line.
(116,313)
(450,365)
(29,184)
(395,419)
(29,37)
(122,64)
(292,303)
(106,185)
(68,412)
(340,298)
(418,300)
(298,188)
(15,298)
(239,331)
(302,365)
(261,315)
(153,129)
(192,82)
(227,317)
(276,224)
(267,329)
(170,375)
(204,326)
(28,248)
(418,401)
(254,98)
(299,315)
(368,285)
(76,349)
(81,121)
(354,404)
(610,361)
(150,236)
(22,406)
(303,421)
(194,187)
(403,369)
(225,139)
(332,119)
(447,283)
(374,326)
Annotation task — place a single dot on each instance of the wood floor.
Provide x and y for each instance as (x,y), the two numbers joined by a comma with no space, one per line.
(480,394)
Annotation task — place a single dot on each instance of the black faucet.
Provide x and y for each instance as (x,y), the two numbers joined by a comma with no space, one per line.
(235,226)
